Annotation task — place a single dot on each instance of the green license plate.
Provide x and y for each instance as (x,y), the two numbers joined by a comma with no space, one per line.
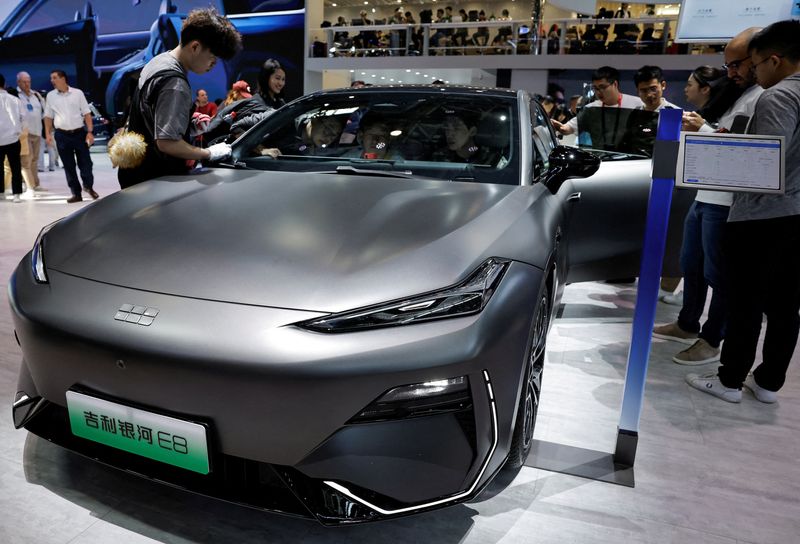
(162,438)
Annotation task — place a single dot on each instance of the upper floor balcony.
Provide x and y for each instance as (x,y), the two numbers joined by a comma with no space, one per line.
(563,43)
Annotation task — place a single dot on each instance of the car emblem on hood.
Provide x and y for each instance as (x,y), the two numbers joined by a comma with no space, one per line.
(141,315)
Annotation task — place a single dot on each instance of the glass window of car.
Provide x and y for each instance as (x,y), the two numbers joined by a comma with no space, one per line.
(543,142)
(468,137)
(622,132)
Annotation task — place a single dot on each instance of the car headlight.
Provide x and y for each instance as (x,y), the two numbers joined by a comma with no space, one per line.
(466,298)
(37,255)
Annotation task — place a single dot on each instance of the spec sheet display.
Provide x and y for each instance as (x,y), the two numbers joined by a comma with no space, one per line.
(731,162)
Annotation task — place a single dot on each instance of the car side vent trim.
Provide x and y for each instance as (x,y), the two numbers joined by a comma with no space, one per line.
(488,384)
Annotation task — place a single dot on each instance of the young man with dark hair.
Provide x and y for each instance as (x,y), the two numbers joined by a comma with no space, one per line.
(162,104)
(762,237)
(68,121)
(650,84)
(605,84)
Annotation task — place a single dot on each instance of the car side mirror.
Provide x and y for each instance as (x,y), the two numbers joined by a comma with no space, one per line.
(567,163)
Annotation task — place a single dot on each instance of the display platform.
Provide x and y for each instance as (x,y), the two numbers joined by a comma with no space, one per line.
(703,473)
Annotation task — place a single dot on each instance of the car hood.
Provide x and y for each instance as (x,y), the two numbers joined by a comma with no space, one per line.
(321,242)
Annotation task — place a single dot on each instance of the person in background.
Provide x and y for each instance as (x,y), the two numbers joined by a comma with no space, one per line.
(605,84)
(762,236)
(271,81)
(68,121)
(12,126)
(702,261)
(240,90)
(202,105)
(33,103)
(650,84)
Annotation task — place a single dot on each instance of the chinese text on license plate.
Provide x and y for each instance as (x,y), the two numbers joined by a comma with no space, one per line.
(162,438)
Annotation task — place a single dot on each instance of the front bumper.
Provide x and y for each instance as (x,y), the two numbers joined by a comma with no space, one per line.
(277,398)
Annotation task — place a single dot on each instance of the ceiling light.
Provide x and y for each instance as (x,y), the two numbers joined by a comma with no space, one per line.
(383,77)
(392,79)
(408,70)
(352,71)
(416,73)
(363,73)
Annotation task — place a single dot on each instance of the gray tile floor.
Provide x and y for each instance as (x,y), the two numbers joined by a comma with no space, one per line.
(706,471)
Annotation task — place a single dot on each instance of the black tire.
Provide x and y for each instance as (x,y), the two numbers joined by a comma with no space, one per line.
(525,422)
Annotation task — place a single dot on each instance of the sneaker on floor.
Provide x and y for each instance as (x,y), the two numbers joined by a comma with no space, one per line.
(16,199)
(675,299)
(39,189)
(764,395)
(699,353)
(709,383)
(671,331)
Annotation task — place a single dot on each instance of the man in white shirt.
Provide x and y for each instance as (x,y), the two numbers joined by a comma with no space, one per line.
(650,84)
(34,113)
(68,120)
(701,252)
(12,125)
(605,84)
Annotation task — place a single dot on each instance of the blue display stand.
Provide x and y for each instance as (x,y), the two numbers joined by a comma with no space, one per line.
(618,467)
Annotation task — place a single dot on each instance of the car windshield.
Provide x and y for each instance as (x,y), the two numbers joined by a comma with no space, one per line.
(467,137)
(620,132)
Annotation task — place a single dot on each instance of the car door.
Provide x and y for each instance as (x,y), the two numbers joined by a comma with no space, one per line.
(605,217)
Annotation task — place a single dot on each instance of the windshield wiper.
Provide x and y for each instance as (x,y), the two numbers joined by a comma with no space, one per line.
(353,171)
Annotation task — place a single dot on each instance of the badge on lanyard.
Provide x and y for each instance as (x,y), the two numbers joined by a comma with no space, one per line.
(30,106)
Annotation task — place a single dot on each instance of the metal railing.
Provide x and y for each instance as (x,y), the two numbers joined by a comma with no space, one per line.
(512,37)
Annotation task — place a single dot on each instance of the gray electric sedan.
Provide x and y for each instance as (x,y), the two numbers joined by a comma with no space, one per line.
(346,322)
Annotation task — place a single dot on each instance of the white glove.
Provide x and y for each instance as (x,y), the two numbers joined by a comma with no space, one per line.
(217,152)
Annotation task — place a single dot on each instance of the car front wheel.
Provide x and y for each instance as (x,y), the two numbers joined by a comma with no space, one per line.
(525,423)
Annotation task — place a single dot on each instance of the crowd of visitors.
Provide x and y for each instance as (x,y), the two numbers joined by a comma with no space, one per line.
(602,33)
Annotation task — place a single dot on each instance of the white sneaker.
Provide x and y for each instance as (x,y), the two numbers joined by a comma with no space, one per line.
(709,383)
(675,299)
(764,395)
(16,199)
(40,189)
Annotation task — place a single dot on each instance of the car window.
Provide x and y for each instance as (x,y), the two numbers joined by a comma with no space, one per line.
(452,137)
(622,132)
(112,17)
(543,142)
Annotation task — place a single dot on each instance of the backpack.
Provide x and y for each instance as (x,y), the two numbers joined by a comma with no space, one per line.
(155,162)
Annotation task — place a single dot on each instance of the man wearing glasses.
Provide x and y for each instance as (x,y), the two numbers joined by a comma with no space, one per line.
(762,237)
(605,84)
(701,251)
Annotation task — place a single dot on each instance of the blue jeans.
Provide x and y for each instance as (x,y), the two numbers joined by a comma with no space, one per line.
(72,146)
(702,266)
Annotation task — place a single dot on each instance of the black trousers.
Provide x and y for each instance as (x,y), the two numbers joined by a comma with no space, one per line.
(11,151)
(763,269)
(72,146)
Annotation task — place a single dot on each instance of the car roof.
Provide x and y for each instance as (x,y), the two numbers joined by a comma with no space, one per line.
(453,89)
